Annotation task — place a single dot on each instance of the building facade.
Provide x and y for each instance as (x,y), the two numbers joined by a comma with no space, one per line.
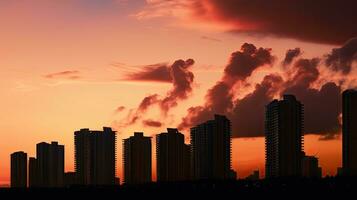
(211,149)
(18,170)
(95,157)
(137,159)
(172,156)
(284,137)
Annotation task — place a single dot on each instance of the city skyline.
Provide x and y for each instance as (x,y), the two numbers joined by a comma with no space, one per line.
(147,65)
(206,157)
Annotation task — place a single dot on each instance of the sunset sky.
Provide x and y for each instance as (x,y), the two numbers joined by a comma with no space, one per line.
(145,65)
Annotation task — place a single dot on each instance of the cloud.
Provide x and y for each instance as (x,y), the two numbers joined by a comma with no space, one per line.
(301,77)
(318,21)
(182,84)
(182,81)
(321,21)
(152,123)
(249,112)
(342,59)
(290,55)
(211,39)
(156,73)
(74,74)
(320,118)
(120,109)
(219,99)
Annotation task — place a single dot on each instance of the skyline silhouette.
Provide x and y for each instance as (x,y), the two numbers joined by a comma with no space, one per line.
(207,157)
(155,66)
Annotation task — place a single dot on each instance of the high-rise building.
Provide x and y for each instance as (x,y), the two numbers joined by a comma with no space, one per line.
(349,133)
(211,149)
(95,156)
(33,172)
(284,137)
(310,167)
(172,156)
(19,169)
(137,159)
(49,164)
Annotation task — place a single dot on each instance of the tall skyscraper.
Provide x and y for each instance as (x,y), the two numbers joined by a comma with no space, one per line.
(19,169)
(137,159)
(171,156)
(211,149)
(49,164)
(284,137)
(349,133)
(95,156)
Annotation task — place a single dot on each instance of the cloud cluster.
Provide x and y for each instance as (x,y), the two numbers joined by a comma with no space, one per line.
(220,98)
(300,76)
(181,78)
(306,78)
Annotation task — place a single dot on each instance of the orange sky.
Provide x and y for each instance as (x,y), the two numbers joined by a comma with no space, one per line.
(94,38)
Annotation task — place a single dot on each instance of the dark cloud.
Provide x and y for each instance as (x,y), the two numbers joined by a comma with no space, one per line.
(249,112)
(243,63)
(64,75)
(182,79)
(156,73)
(152,123)
(219,99)
(290,55)
(341,59)
(321,21)
(301,79)
(322,108)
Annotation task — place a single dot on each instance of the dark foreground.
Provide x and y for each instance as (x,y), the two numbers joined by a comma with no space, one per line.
(289,188)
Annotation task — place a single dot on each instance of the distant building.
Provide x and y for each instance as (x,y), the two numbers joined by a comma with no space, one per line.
(49,165)
(70,179)
(349,132)
(95,156)
(310,167)
(19,170)
(233,175)
(33,171)
(172,156)
(284,137)
(339,171)
(137,159)
(254,176)
(211,149)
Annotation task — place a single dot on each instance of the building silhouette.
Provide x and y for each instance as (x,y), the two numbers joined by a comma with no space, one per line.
(33,169)
(70,179)
(95,156)
(137,159)
(349,133)
(47,170)
(18,169)
(172,156)
(211,149)
(310,167)
(284,137)
(254,176)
